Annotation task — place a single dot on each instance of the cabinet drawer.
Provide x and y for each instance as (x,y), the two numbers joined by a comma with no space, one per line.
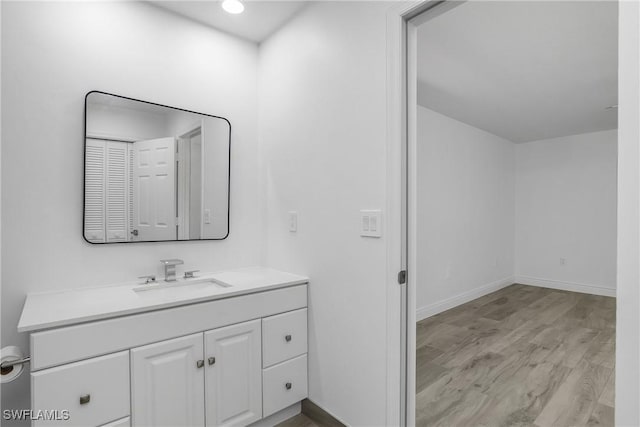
(94,391)
(284,336)
(284,384)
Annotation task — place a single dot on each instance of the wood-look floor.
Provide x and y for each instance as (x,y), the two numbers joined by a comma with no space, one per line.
(521,356)
(300,420)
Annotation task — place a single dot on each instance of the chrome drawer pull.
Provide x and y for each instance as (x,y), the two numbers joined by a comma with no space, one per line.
(287,338)
(85,398)
(212,360)
(287,386)
(200,363)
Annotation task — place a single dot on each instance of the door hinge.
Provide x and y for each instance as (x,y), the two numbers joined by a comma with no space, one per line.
(402,277)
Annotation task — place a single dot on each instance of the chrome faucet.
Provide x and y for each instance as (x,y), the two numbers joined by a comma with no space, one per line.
(170,268)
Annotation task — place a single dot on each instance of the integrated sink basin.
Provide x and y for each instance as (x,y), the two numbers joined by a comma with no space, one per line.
(180,287)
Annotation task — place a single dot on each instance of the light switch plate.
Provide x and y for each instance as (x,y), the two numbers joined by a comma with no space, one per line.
(293,221)
(371,223)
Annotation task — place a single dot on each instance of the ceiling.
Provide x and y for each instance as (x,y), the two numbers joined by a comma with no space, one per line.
(260,19)
(522,70)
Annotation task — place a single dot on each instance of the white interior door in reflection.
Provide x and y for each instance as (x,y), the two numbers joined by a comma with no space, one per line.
(154,190)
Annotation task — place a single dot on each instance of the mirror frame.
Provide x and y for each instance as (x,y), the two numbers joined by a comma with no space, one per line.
(84,167)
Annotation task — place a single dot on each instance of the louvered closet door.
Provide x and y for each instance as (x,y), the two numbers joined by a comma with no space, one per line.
(117,190)
(94,203)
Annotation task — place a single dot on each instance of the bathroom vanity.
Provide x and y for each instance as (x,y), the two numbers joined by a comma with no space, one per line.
(227,348)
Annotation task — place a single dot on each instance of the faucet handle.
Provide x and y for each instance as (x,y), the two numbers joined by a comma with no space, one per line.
(173,261)
(149,279)
(189,274)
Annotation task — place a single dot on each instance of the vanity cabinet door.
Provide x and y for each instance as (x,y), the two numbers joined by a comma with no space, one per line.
(167,383)
(233,375)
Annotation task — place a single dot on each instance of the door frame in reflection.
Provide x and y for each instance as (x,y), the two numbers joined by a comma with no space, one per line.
(185,179)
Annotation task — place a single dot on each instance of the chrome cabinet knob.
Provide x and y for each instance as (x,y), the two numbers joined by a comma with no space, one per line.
(85,398)
(200,363)
(287,386)
(287,338)
(212,360)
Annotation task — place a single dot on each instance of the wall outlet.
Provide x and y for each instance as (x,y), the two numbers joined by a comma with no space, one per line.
(371,223)
(207,216)
(293,221)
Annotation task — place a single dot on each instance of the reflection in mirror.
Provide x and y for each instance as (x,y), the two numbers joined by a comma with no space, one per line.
(153,173)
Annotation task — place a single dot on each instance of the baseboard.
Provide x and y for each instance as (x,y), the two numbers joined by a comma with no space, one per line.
(279,417)
(566,286)
(456,300)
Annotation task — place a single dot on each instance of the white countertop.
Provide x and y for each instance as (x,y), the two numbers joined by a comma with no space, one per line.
(62,308)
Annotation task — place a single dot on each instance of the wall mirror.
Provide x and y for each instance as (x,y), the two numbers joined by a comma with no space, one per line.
(153,173)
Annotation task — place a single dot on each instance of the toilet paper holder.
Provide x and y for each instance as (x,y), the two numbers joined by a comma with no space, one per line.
(11,363)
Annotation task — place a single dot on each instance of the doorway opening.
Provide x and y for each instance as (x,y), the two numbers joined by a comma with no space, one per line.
(511,218)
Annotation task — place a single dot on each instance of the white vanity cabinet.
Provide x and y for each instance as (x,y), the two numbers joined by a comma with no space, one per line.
(223,362)
(217,373)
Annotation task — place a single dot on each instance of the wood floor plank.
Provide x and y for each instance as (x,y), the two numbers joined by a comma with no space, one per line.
(519,318)
(427,374)
(504,306)
(441,336)
(521,399)
(602,350)
(472,345)
(458,409)
(553,306)
(572,346)
(477,373)
(602,415)
(576,398)
(592,312)
(520,356)
(523,334)
(299,420)
(427,354)
(608,394)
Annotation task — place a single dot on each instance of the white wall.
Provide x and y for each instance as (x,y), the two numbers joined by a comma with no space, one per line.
(322,130)
(628,268)
(566,208)
(478,194)
(52,55)
(466,203)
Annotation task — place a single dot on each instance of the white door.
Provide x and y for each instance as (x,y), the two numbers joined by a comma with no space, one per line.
(233,378)
(167,383)
(154,189)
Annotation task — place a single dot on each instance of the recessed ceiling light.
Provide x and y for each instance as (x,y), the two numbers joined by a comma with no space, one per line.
(233,6)
(612,107)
